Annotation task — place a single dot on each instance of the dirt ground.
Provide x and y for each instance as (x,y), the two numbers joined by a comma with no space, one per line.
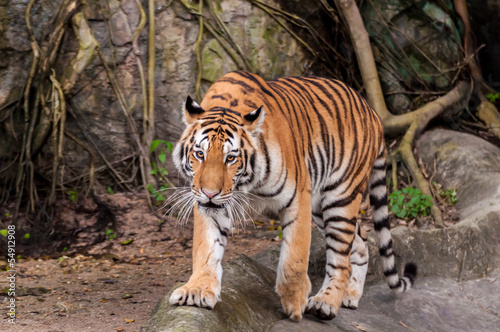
(111,285)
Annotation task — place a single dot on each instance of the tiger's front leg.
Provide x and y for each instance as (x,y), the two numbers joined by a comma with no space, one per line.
(292,283)
(209,241)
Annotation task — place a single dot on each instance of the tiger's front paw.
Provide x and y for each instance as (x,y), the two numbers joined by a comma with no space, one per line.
(294,297)
(351,297)
(320,307)
(196,294)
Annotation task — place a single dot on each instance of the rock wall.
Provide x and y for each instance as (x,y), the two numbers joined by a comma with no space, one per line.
(416,46)
(95,116)
(485,21)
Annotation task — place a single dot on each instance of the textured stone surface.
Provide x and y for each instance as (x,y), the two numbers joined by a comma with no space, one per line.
(100,122)
(248,303)
(435,304)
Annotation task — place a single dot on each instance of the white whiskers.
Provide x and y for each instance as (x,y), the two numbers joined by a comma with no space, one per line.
(183,202)
(238,206)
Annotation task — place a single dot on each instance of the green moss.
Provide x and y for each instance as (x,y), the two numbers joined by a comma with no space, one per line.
(216,62)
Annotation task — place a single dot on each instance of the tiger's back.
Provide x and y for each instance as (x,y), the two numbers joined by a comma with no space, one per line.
(305,146)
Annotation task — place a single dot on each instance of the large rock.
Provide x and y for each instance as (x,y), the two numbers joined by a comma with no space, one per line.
(249,303)
(435,304)
(97,118)
(468,249)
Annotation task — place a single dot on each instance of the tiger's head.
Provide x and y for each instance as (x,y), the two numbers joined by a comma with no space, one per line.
(218,152)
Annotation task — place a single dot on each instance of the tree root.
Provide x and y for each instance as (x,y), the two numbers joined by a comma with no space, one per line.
(488,113)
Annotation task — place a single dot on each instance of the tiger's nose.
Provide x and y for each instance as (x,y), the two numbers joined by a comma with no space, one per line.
(210,194)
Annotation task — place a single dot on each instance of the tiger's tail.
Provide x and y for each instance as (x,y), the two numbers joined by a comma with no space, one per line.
(378,201)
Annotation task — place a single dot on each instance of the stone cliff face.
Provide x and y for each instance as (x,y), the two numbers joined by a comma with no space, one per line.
(95,115)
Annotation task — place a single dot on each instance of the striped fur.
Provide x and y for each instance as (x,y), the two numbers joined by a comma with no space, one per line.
(299,148)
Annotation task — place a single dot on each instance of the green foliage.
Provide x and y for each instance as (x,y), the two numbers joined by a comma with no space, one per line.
(409,203)
(126,242)
(158,151)
(27,236)
(450,195)
(3,232)
(111,191)
(73,194)
(493,97)
(157,194)
(110,234)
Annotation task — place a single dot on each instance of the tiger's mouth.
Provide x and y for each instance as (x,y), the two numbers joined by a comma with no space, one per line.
(210,205)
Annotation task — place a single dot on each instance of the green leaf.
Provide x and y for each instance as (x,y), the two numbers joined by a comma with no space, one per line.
(127,242)
(27,235)
(72,195)
(163,172)
(110,190)
(3,232)
(155,144)
(396,209)
(170,146)
(162,156)
(401,214)
(493,96)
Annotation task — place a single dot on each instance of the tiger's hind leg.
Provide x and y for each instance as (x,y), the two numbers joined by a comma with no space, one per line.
(340,218)
(359,268)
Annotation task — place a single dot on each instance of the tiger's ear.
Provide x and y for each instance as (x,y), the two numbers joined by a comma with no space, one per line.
(254,120)
(192,111)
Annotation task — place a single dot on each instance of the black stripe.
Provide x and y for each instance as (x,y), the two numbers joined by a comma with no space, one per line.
(397,285)
(377,203)
(384,249)
(285,225)
(219,97)
(277,191)
(344,252)
(379,182)
(335,267)
(246,88)
(224,231)
(351,221)
(359,264)
(391,272)
(336,237)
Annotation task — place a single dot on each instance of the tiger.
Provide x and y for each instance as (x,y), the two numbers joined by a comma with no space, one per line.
(304,149)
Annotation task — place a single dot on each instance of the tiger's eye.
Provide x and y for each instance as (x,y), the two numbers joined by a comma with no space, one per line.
(200,154)
(230,158)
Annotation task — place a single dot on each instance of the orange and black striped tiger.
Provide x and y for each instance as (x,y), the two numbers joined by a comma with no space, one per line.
(302,148)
